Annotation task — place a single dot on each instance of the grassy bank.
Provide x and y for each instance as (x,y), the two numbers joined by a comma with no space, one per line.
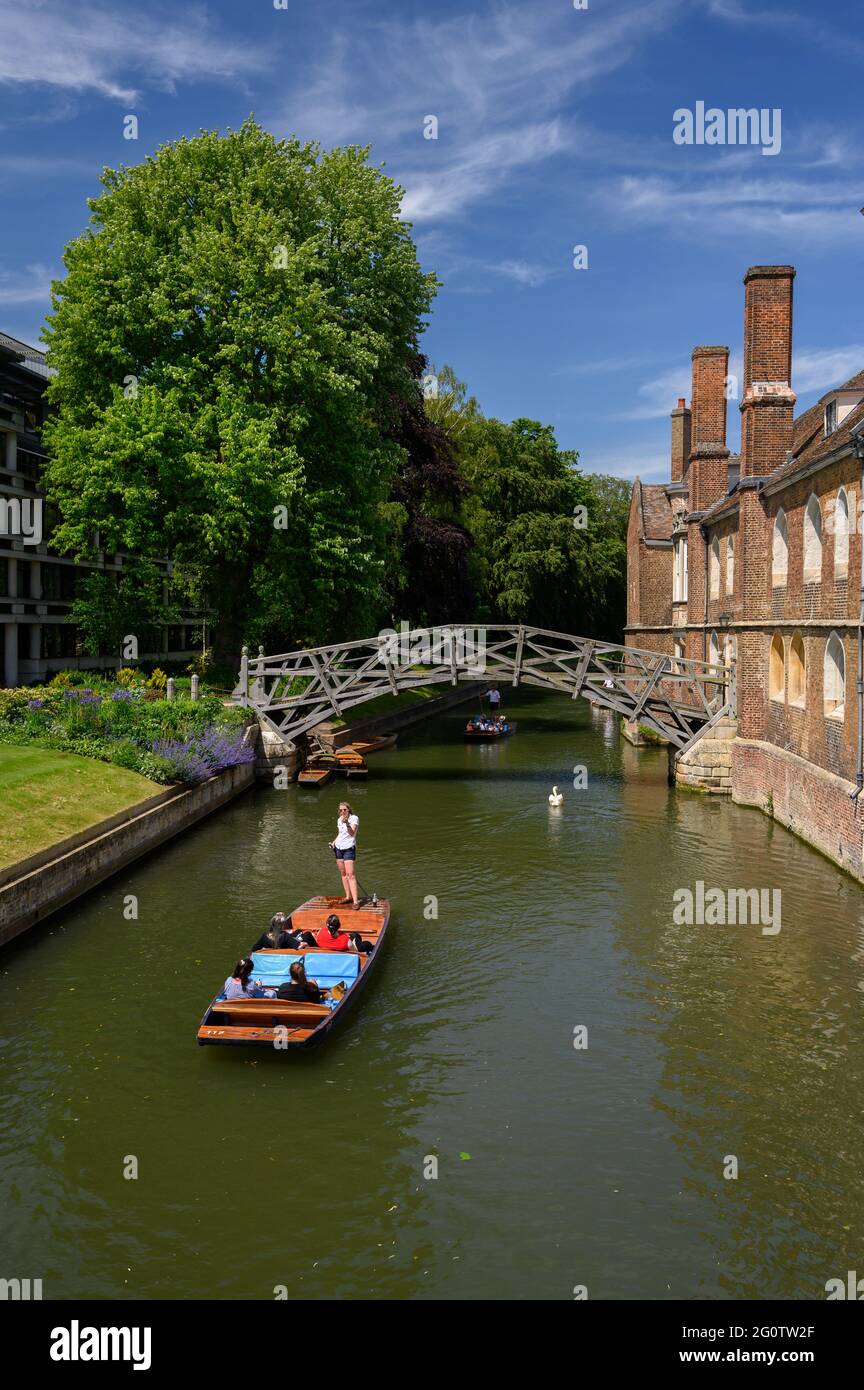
(48,795)
(390,704)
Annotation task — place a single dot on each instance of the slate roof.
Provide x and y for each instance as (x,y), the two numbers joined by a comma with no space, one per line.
(809,441)
(656,512)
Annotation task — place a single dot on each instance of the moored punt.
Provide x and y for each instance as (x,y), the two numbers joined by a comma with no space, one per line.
(344,761)
(490,734)
(315,776)
(290,1024)
(365,746)
(350,762)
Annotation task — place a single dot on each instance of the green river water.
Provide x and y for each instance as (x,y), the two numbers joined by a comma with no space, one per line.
(557,1166)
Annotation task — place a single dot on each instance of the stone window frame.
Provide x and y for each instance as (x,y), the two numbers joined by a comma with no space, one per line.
(777,669)
(730,564)
(841,534)
(679,569)
(797,672)
(780,532)
(834,677)
(714,568)
(812,548)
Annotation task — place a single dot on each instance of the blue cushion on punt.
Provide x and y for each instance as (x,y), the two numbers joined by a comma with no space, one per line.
(327,967)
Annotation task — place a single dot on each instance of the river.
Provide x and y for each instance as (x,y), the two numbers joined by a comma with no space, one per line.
(559,1167)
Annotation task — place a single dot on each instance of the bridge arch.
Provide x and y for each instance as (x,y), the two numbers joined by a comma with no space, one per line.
(291,692)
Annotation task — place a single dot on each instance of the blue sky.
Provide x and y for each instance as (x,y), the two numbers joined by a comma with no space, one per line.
(554,130)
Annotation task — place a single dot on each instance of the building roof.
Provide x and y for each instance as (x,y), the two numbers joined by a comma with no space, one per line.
(33,358)
(809,441)
(656,512)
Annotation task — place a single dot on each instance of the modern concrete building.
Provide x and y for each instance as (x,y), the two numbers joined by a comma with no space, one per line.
(36,585)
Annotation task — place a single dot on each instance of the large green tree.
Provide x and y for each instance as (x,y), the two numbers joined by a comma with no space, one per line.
(231,342)
(549,542)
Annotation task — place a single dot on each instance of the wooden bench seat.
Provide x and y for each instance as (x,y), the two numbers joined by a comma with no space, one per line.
(266,1011)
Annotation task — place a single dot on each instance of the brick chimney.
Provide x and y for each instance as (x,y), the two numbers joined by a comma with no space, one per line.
(768,402)
(708,452)
(680,440)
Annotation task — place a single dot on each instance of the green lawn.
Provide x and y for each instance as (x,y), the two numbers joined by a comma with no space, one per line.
(46,796)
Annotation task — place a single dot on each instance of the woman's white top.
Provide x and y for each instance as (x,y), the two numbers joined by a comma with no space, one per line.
(347,838)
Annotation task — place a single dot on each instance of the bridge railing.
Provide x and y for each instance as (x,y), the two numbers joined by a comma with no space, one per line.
(294,691)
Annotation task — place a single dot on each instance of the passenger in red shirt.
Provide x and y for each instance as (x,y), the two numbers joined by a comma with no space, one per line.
(331,937)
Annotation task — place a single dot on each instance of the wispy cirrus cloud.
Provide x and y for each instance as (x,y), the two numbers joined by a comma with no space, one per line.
(97,48)
(814,371)
(808,25)
(32,285)
(818,369)
(797,209)
(499,81)
(634,461)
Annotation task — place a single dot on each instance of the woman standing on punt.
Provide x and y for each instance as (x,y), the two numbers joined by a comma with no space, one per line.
(345,849)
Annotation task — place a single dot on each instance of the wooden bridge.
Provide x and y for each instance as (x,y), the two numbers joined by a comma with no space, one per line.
(293,692)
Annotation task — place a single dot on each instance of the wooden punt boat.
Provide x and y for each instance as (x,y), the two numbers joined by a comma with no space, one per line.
(350,762)
(365,746)
(490,735)
(288,1024)
(344,761)
(315,776)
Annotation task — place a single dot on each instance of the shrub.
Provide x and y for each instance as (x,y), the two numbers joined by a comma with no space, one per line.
(157,680)
(201,756)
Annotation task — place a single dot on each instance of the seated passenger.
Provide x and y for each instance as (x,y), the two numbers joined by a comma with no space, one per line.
(238,985)
(330,937)
(298,987)
(279,937)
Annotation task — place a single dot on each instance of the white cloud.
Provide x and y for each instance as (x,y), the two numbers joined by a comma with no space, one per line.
(818,369)
(635,461)
(486,165)
(97,48)
(794,210)
(30,286)
(496,79)
(523,272)
(659,395)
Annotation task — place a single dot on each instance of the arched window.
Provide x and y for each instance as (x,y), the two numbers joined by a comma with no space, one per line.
(777,669)
(813,539)
(715,568)
(730,656)
(679,573)
(834,676)
(730,564)
(780,551)
(841,534)
(797,673)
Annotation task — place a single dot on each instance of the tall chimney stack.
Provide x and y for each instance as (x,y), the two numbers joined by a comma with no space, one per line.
(708,452)
(768,402)
(680,440)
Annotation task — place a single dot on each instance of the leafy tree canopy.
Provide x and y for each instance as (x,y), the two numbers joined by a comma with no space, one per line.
(231,341)
(550,542)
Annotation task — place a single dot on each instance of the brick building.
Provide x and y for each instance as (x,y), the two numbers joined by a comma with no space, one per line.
(756,561)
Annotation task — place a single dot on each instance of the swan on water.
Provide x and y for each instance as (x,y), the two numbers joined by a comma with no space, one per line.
(555,797)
